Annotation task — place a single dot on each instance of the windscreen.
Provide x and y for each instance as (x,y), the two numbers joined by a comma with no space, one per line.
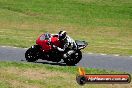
(45,36)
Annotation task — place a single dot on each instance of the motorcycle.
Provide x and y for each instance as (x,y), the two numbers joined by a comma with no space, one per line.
(44,50)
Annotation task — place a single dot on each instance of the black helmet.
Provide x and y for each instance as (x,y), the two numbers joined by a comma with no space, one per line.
(62,35)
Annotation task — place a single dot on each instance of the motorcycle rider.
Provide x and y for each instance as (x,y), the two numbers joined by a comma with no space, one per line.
(68,44)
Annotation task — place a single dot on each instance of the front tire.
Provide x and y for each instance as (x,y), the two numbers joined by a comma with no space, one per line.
(32,55)
(74,58)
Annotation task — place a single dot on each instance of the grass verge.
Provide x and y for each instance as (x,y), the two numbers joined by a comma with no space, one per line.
(33,75)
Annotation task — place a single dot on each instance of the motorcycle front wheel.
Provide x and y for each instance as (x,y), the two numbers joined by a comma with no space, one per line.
(74,58)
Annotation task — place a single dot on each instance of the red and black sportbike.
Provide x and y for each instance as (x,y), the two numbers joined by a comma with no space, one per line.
(44,50)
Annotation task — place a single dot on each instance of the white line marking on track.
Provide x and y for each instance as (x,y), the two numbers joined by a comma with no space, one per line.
(9,46)
(116,55)
(25,48)
(103,54)
(3,46)
(90,53)
(130,56)
(14,47)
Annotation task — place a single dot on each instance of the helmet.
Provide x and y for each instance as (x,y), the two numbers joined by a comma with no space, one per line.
(62,35)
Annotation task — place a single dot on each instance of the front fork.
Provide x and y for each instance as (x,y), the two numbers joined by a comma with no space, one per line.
(69,53)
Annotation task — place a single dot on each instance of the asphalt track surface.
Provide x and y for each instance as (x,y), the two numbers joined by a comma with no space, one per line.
(109,62)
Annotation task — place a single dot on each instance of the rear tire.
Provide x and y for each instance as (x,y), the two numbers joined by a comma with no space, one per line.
(32,55)
(74,58)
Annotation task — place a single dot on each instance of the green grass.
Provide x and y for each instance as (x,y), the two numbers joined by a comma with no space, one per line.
(33,75)
(106,25)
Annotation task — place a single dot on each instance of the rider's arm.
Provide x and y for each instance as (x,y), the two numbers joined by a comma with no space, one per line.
(60,49)
(64,47)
